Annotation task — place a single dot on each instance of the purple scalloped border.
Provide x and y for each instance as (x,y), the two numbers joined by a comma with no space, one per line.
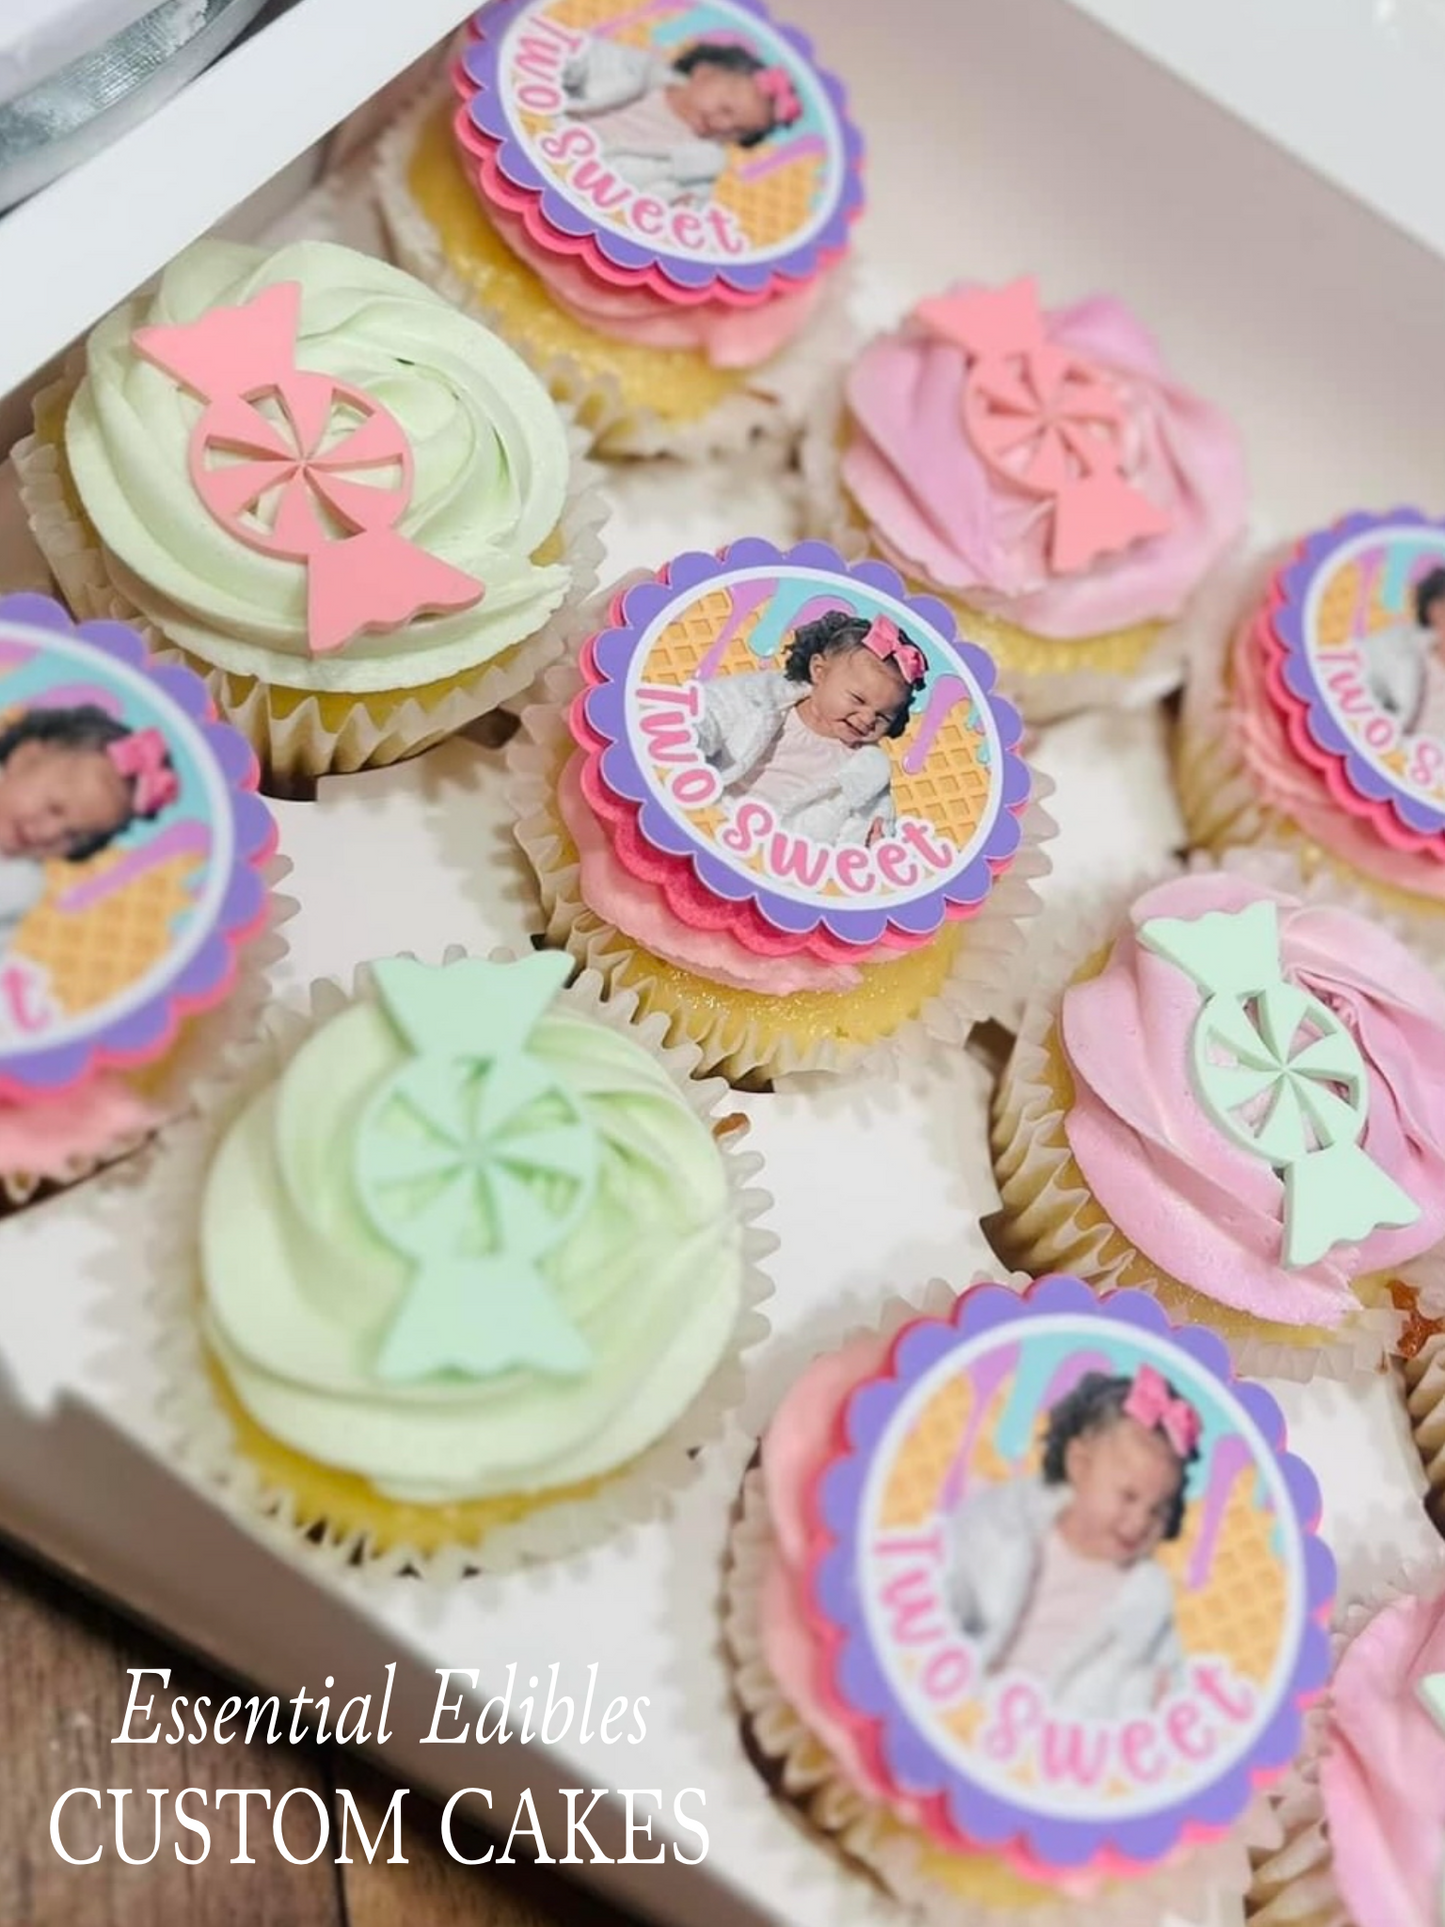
(145,1032)
(859,1680)
(606,711)
(488,115)
(1288,624)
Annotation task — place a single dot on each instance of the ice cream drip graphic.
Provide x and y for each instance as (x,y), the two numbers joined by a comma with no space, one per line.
(334,466)
(989,1375)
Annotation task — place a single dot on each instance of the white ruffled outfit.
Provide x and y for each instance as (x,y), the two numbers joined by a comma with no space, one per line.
(742,721)
(1398,665)
(1110,1664)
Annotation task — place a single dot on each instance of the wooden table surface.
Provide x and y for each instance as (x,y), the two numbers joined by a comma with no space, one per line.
(63,1694)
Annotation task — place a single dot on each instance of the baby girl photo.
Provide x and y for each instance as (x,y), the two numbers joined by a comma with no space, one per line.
(668,123)
(1055,1575)
(71,781)
(105,842)
(807,736)
(699,105)
(841,745)
(1404,662)
(1091,1522)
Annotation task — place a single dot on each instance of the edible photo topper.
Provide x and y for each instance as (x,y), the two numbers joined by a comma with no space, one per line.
(811,739)
(695,146)
(1067,1575)
(130,848)
(1357,624)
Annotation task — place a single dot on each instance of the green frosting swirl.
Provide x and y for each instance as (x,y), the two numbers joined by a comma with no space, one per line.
(491,471)
(300,1291)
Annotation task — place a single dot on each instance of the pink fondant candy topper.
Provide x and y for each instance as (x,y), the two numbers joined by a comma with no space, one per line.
(1045,420)
(361,575)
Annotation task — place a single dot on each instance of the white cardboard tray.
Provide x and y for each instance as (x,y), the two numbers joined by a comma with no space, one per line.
(998,163)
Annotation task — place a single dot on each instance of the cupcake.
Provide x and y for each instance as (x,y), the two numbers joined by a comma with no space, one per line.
(1233,1096)
(652,205)
(469,1269)
(1365,1818)
(1024,1603)
(348,507)
(781,803)
(134,914)
(1043,473)
(1322,728)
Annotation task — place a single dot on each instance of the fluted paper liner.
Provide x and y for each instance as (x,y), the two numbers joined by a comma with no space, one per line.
(292,735)
(1050,1220)
(1424,1382)
(769,406)
(978,985)
(864,1831)
(203,1435)
(203,1046)
(1294,1885)
(1221,803)
(1147,661)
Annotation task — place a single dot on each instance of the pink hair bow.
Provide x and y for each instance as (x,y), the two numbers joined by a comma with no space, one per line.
(777,84)
(142,756)
(336,465)
(889,645)
(1149,1401)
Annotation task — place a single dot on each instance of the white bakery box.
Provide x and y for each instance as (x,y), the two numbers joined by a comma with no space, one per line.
(1259,178)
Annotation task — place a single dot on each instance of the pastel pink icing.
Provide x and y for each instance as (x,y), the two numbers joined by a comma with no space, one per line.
(729,335)
(936,509)
(47,1138)
(1193,1203)
(640,910)
(1383,1773)
(1298,791)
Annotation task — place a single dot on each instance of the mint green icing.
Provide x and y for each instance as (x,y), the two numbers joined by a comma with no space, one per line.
(474,1161)
(1278,1073)
(301,1289)
(491,470)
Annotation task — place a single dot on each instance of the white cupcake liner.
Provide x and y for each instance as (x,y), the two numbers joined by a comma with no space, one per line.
(778,398)
(1220,800)
(1044,1196)
(203,1048)
(814,1785)
(200,1436)
(1053,694)
(1294,1886)
(978,987)
(299,744)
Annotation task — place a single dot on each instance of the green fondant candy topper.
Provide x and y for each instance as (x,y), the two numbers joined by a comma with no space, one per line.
(1282,1077)
(473,1161)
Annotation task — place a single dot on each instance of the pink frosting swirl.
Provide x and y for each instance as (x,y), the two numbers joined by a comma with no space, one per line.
(48,1137)
(1383,1773)
(937,510)
(1196,1205)
(1298,791)
(730,336)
